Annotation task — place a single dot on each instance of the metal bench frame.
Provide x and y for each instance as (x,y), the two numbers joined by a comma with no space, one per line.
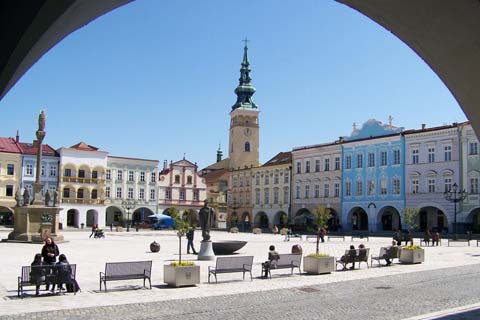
(231,265)
(358,257)
(285,261)
(382,255)
(50,274)
(129,270)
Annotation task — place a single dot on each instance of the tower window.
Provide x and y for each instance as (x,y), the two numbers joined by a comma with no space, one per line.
(247,146)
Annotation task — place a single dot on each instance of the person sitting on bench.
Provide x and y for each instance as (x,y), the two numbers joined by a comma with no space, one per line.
(273,257)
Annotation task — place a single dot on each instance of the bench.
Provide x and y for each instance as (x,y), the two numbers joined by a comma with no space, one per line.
(310,236)
(126,271)
(231,265)
(45,275)
(292,235)
(425,244)
(460,240)
(360,236)
(285,261)
(361,255)
(335,237)
(385,254)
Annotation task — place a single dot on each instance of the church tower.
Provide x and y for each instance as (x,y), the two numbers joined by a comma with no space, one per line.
(243,148)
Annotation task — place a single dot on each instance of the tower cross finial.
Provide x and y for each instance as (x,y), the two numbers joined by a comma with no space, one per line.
(246,41)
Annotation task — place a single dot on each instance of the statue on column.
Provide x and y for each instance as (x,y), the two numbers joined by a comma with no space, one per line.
(47,198)
(26,197)
(55,198)
(204,217)
(41,121)
(18,197)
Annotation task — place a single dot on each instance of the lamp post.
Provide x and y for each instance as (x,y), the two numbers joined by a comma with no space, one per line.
(127,206)
(456,196)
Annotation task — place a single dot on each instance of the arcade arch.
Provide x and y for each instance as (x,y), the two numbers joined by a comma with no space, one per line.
(358,218)
(432,217)
(388,219)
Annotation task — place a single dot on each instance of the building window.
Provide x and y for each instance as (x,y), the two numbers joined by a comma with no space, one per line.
(10,169)
(337,190)
(431,185)
(307,191)
(182,195)
(275,196)
(348,189)
(190,180)
(267,179)
(297,192)
(66,192)
(299,167)
(195,195)
(359,188)
(29,169)
(94,174)
(152,194)
(43,170)
(383,186)
(415,186)
(447,182)
(326,190)
(257,179)
(337,163)
(371,160)
(168,195)
(286,177)
(383,158)
(130,176)
(371,187)
(327,164)
(119,193)
(348,162)
(317,165)
(247,146)
(80,194)
(474,185)
(107,192)
(317,191)
(286,196)
(415,156)
(431,154)
(142,176)
(396,157)
(447,151)
(396,186)
(257,197)
(94,194)
(235,180)
(276,178)
(9,190)
(53,171)
(120,175)
(67,172)
(141,193)
(108,174)
(267,196)
(307,166)
(177,180)
(247,198)
(81,173)
(359,161)
(153,177)
(130,193)
(473,148)
(247,181)
(241,181)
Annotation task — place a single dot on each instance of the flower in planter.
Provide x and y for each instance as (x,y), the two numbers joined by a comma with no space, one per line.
(318,255)
(182,264)
(415,247)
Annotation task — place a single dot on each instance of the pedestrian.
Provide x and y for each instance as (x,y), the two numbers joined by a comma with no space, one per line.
(323,233)
(349,257)
(111,226)
(426,237)
(389,253)
(190,235)
(94,229)
(435,238)
(36,272)
(65,276)
(273,257)
(49,254)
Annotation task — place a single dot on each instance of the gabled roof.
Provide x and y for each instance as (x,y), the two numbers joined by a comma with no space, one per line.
(184,163)
(83,146)
(30,148)
(218,165)
(9,145)
(280,158)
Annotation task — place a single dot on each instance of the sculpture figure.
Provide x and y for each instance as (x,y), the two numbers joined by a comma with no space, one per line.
(47,198)
(41,121)
(26,197)
(18,197)
(204,217)
(55,198)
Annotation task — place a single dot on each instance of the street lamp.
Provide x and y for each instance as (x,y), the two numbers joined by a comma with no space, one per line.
(127,206)
(455,196)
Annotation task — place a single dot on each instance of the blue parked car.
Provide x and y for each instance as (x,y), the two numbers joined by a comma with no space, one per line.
(162,221)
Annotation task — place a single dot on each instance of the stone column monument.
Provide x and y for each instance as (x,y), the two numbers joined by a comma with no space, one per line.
(206,247)
(35,220)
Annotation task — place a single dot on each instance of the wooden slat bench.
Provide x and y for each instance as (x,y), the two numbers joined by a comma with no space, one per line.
(115,271)
(361,255)
(45,275)
(385,254)
(231,265)
(285,261)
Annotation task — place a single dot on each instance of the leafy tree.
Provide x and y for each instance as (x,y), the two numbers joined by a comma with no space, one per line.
(182,226)
(322,215)
(411,218)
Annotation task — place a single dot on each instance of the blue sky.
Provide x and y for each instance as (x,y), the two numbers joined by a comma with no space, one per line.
(155,79)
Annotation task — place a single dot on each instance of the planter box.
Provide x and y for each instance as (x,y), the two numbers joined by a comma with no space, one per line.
(181,276)
(318,265)
(283,232)
(412,256)
(256,231)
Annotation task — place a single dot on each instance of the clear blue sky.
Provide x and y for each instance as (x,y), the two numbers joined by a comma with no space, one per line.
(155,79)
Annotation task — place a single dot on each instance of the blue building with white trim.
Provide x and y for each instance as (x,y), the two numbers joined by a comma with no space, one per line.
(373,177)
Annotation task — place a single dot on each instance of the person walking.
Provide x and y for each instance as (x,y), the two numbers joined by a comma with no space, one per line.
(94,229)
(190,235)
(323,233)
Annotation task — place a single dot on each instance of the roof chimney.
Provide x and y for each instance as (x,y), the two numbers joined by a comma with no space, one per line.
(424,126)
(164,164)
(17,137)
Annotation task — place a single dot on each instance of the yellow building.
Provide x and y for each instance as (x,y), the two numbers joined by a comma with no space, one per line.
(10,175)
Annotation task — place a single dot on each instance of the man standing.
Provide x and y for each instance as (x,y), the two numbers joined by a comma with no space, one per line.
(190,235)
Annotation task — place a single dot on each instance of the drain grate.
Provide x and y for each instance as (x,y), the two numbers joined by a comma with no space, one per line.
(383,287)
(308,289)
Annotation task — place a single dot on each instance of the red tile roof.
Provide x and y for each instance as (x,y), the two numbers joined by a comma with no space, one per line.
(9,145)
(83,146)
(280,158)
(30,148)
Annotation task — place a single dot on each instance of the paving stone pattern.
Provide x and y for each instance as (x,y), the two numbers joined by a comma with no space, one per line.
(389,297)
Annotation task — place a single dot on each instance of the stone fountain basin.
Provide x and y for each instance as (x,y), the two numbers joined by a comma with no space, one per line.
(227,246)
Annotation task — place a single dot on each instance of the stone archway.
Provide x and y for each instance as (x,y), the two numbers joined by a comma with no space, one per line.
(388,219)
(73,218)
(141,214)
(432,218)
(113,216)
(281,219)
(92,217)
(6,216)
(358,219)
(474,218)
(261,220)
(333,224)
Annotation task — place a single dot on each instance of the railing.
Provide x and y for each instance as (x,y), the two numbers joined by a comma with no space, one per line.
(83,180)
(180,202)
(83,201)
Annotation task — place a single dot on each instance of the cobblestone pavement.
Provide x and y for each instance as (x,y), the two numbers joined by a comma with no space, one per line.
(388,297)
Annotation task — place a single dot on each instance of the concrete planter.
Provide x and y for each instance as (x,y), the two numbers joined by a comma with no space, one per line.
(234,230)
(412,256)
(256,230)
(181,276)
(320,265)
(283,232)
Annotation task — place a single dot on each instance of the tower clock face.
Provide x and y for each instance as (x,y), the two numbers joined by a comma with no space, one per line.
(247,132)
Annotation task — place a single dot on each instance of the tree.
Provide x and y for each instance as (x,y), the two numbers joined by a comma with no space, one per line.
(411,218)
(322,215)
(182,226)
